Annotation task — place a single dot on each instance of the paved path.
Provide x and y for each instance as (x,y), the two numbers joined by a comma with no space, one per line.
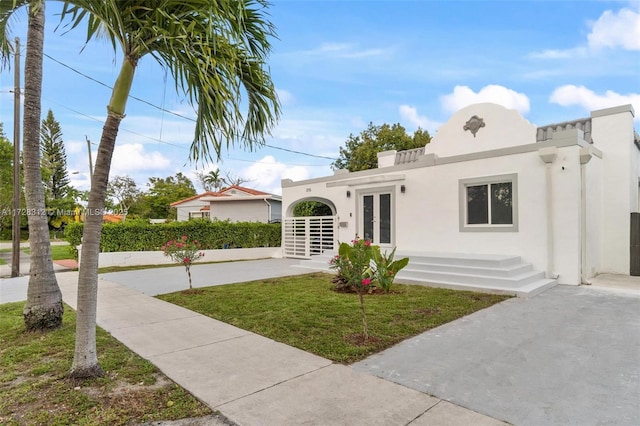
(569,356)
(253,380)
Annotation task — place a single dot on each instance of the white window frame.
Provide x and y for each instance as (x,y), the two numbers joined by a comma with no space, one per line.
(199,214)
(488,180)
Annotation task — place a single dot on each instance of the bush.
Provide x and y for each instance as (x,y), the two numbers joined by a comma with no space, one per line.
(139,235)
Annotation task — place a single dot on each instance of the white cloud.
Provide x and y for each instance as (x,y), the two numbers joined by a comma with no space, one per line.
(613,30)
(616,29)
(286,97)
(130,159)
(346,50)
(569,95)
(267,173)
(411,115)
(576,52)
(463,96)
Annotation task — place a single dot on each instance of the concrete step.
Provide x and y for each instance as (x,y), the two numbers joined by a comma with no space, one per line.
(489,273)
(505,271)
(470,278)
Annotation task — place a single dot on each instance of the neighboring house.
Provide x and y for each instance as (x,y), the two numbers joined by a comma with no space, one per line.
(490,183)
(111,218)
(235,203)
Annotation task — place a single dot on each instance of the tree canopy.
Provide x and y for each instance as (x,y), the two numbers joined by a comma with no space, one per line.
(360,151)
(164,191)
(54,158)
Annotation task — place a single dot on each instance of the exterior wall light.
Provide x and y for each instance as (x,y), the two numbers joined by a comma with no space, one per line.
(403,189)
(348,194)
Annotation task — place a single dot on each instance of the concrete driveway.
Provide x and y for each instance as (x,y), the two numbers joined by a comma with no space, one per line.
(569,356)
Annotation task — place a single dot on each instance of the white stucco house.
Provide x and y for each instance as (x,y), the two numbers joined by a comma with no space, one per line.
(490,186)
(235,203)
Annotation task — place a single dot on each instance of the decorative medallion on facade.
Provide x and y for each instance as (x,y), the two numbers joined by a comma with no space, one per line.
(474,124)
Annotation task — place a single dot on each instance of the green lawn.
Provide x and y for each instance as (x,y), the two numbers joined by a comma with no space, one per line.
(304,311)
(34,390)
(58,252)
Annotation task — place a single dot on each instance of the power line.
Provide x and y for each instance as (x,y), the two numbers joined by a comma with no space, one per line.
(175,113)
(169,143)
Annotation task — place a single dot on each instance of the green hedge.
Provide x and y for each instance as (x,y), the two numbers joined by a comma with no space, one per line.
(136,235)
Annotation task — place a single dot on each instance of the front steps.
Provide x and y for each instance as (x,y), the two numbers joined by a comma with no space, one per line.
(501,274)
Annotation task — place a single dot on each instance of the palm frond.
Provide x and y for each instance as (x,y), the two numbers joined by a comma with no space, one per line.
(8,11)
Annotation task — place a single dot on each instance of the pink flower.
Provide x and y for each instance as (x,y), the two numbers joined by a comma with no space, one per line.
(390,272)
(184,238)
(367,243)
(186,260)
(179,245)
(163,248)
(366,281)
(169,243)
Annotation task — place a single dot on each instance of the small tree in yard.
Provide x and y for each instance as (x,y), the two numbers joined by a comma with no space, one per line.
(353,264)
(359,265)
(184,252)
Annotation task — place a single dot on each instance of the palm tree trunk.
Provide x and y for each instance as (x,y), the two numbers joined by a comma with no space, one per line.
(85,357)
(44,308)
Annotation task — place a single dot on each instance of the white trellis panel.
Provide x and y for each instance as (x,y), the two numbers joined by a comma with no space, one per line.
(308,236)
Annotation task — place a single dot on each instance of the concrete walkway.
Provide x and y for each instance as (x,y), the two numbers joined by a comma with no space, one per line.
(250,379)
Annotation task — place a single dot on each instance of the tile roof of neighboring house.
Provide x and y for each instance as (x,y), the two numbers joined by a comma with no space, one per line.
(243,189)
(195,197)
(221,193)
(112,218)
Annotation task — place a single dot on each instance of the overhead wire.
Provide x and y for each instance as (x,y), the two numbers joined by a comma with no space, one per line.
(180,115)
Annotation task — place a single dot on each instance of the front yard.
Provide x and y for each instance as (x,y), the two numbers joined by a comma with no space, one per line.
(304,311)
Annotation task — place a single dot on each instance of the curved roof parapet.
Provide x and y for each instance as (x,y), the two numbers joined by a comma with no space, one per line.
(409,156)
(546,132)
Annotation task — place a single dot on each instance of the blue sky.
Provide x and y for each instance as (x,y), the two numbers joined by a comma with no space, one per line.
(339,65)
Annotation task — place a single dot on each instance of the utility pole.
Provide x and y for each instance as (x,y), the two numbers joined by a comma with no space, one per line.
(15,227)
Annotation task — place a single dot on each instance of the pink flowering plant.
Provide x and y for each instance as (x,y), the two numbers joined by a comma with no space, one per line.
(360,265)
(353,266)
(184,252)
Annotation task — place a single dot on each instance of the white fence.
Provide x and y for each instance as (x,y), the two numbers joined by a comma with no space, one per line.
(307,236)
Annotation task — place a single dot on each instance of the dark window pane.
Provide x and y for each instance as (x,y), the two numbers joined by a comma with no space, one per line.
(385,218)
(501,204)
(477,205)
(367,217)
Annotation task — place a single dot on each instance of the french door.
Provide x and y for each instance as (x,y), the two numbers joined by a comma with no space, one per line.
(376,218)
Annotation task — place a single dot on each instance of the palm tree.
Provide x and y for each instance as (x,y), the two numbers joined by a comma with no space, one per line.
(44,308)
(216,52)
(213,180)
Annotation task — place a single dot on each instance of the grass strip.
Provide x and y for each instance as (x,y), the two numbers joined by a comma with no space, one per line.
(304,311)
(34,389)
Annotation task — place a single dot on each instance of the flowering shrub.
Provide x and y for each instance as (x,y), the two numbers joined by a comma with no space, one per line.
(359,265)
(353,263)
(184,252)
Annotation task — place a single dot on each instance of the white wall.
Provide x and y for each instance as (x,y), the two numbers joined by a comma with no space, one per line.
(188,206)
(612,132)
(427,219)
(241,210)
(138,258)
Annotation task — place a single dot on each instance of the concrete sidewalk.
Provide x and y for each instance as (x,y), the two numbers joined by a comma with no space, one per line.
(253,380)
